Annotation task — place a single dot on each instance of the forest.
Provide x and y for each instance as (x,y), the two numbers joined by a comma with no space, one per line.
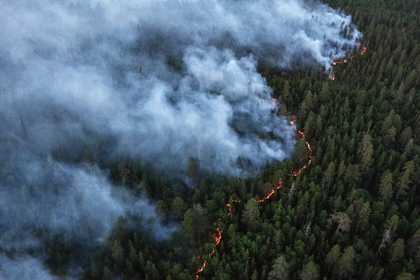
(345,205)
(353,213)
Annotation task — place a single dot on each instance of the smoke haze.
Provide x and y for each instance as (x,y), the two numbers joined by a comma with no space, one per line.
(154,81)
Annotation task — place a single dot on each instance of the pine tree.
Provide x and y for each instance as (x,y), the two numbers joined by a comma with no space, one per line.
(386,186)
(333,256)
(251,212)
(193,166)
(364,215)
(397,250)
(178,207)
(195,224)
(329,174)
(405,276)
(414,243)
(309,272)
(405,136)
(405,179)
(117,251)
(107,273)
(342,220)
(345,264)
(365,152)
(280,269)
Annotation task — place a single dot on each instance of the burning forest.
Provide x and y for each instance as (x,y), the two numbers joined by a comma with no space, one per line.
(90,90)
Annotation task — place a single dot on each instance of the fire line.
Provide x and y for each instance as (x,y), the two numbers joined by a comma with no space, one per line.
(362,51)
(218,236)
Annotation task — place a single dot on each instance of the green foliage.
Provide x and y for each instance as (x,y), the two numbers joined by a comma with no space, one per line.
(360,193)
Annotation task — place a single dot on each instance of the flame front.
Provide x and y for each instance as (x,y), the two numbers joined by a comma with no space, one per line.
(272,191)
(362,51)
(303,136)
(229,208)
(218,236)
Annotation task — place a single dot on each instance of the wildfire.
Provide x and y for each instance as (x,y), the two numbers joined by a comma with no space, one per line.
(197,273)
(297,172)
(272,191)
(217,239)
(218,236)
(345,60)
(303,136)
(336,62)
(229,208)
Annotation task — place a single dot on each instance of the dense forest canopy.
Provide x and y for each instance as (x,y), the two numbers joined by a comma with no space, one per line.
(352,213)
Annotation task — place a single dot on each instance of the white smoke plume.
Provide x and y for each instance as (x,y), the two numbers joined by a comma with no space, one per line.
(154,81)
(24,268)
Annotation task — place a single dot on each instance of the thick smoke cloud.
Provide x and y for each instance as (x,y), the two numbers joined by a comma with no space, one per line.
(165,80)
(155,81)
(25,268)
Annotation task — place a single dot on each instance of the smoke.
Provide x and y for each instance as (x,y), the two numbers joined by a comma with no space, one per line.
(78,201)
(154,81)
(41,198)
(23,267)
(165,80)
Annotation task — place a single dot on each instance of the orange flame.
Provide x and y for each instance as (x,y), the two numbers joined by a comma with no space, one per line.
(272,191)
(217,239)
(197,276)
(229,208)
(345,60)
(339,62)
(303,136)
(218,236)
(297,172)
